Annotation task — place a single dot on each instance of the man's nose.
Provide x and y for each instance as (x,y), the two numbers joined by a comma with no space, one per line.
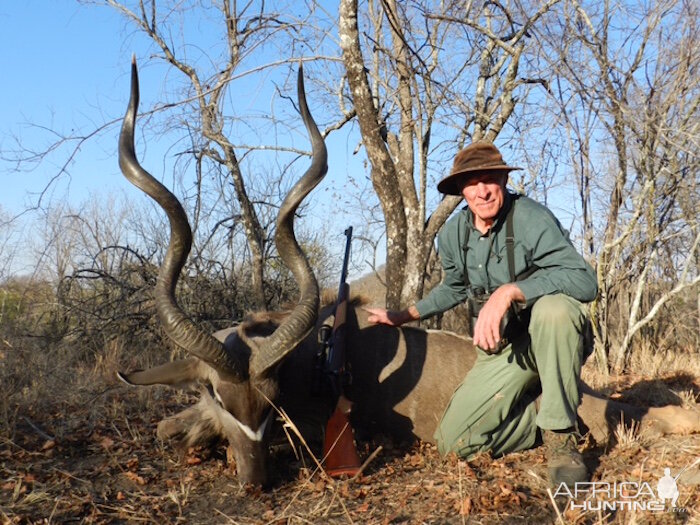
(482,190)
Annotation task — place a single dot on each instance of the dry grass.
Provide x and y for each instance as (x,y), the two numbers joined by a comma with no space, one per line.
(631,437)
(648,360)
(75,445)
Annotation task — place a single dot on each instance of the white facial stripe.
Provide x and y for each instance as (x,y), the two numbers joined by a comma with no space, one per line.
(252,435)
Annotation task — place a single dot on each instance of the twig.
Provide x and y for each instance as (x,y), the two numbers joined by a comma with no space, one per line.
(228,518)
(366,463)
(120,511)
(686,468)
(10,442)
(537,477)
(68,474)
(319,468)
(556,509)
(105,391)
(53,511)
(38,430)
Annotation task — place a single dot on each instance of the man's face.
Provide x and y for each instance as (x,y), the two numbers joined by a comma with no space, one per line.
(485,194)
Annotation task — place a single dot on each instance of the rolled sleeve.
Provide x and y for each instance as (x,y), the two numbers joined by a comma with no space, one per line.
(452,290)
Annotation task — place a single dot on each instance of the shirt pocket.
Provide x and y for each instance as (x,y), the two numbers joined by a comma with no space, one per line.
(522,258)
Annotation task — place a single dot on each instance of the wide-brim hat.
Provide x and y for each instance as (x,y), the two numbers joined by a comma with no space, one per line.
(476,158)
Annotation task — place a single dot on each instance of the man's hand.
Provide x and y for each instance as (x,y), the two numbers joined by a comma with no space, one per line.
(390,317)
(488,326)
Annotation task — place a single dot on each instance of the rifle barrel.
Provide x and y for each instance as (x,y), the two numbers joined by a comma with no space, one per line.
(346,258)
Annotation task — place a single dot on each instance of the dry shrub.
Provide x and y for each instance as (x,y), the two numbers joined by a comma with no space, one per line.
(52,360)
(649,360)
(62,343)
(628,436)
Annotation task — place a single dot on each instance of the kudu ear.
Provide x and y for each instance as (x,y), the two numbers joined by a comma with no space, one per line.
(174,373)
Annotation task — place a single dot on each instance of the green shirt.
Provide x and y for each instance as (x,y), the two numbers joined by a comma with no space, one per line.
(540,241)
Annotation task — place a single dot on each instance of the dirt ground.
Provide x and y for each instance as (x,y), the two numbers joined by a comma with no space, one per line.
(97,460)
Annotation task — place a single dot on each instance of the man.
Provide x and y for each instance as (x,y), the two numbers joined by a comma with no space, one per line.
(533,283)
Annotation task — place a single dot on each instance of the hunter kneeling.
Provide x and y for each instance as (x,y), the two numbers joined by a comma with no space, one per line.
(512,260)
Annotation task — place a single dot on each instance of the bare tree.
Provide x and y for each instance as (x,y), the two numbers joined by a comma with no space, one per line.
(8,245)
(418,73)
(597,98)
(628,77)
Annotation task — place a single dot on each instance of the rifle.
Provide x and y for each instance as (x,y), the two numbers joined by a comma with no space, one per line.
(339,446)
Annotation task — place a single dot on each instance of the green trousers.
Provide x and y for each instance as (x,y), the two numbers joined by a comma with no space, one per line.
(494,407)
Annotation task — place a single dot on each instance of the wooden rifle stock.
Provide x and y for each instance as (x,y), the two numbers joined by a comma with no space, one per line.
(339,451)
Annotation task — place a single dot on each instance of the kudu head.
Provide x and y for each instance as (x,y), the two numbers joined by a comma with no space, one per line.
(238,366)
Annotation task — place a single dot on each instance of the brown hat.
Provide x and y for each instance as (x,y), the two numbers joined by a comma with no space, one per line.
(477,157)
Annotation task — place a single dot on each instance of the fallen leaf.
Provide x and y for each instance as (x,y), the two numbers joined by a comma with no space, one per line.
(415,460)
(49,444)
(120,496)
(135,478)
(362,492)
(506,489)
(466,470)
(465,507)
(319,486)
(106,443)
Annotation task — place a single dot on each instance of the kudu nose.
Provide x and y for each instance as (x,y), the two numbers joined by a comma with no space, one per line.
(253,470)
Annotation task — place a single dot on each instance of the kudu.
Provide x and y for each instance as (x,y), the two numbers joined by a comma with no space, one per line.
(402,377)
(239,366)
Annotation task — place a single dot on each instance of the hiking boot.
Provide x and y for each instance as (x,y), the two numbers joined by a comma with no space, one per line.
(564,461)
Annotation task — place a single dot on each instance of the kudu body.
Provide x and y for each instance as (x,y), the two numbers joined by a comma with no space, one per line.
(403,377)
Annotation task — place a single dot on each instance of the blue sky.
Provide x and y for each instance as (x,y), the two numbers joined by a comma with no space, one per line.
(60,64)
(67,69)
